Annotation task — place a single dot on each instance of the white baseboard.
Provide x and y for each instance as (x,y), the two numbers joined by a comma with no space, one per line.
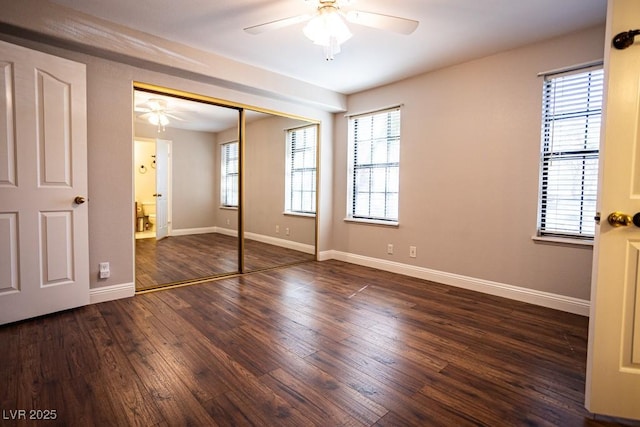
(326,255)
(226,231)
(110,293)
(188,231)
(544,299)
(283,243)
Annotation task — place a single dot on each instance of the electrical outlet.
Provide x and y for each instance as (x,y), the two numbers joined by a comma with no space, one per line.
(390,249)
(286,231)
(277,229)
(412,251)
(105,272)
(228,221)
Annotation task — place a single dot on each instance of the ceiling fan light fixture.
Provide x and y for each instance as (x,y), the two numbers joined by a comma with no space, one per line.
(327,29)
(158,118)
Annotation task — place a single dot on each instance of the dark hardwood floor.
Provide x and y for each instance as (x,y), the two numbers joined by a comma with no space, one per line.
(316,344)
(177,259)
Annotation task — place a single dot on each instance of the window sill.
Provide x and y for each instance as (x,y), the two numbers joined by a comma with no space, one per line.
(562,241)
(229,208)
(394,224)
(305,215)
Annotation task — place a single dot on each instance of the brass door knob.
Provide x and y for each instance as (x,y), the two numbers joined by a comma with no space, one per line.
(79,200)
(619,219)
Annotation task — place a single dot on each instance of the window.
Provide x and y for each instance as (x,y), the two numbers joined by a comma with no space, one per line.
(374,165)
(300,191)
(229,180)
(571,117)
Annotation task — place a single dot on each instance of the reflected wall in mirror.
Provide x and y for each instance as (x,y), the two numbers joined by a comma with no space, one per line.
(183,232)
(280,191)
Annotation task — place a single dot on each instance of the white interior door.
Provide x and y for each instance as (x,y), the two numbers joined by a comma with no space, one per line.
(44,265)
(613,362)
(162,188)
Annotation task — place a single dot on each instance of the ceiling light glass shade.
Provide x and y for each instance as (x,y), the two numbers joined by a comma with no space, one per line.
(158,119)
(327,29)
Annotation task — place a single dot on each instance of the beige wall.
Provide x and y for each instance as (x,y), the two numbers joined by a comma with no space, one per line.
(469,171)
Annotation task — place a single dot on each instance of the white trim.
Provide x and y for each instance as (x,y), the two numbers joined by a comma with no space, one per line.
(300,214)
(289,244)
(188,231)
(110,293)
(562,241)
(384,223)
(531,296)
(378,110)
(584,65)
(204,230)
(327,255)
(226,231)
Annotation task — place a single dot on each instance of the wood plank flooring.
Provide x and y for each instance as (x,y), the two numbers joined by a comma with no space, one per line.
(316,344)
(181,258)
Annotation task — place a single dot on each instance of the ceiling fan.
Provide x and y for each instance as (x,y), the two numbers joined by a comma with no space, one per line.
(327,27)
(154,110)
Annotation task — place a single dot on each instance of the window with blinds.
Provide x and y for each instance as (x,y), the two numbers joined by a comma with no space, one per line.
(374,166)
(300,191)
(229,176)
(571,118)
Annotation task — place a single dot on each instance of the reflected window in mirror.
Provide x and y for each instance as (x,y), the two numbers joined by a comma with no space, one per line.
(229,178)
(300,177)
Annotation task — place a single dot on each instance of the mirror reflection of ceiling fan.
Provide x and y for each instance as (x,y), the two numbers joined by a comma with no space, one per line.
(155,111)
(327,26)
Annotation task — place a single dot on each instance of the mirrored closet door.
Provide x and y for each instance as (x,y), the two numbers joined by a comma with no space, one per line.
(240,190)
(185,229)
(280,191)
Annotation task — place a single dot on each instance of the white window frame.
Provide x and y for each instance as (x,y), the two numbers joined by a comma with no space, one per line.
(229,175)
(301,170)
(373,175)
(569,155)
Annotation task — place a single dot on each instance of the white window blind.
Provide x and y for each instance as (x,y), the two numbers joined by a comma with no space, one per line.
(301,170)
(374,150)
(571,118)
(229,178)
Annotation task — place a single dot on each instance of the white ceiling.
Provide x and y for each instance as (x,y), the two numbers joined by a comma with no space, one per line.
(450,31)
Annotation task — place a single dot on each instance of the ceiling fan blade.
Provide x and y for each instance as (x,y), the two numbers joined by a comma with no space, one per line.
(148,114)
(275,25)
(383,22)
(173,116)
